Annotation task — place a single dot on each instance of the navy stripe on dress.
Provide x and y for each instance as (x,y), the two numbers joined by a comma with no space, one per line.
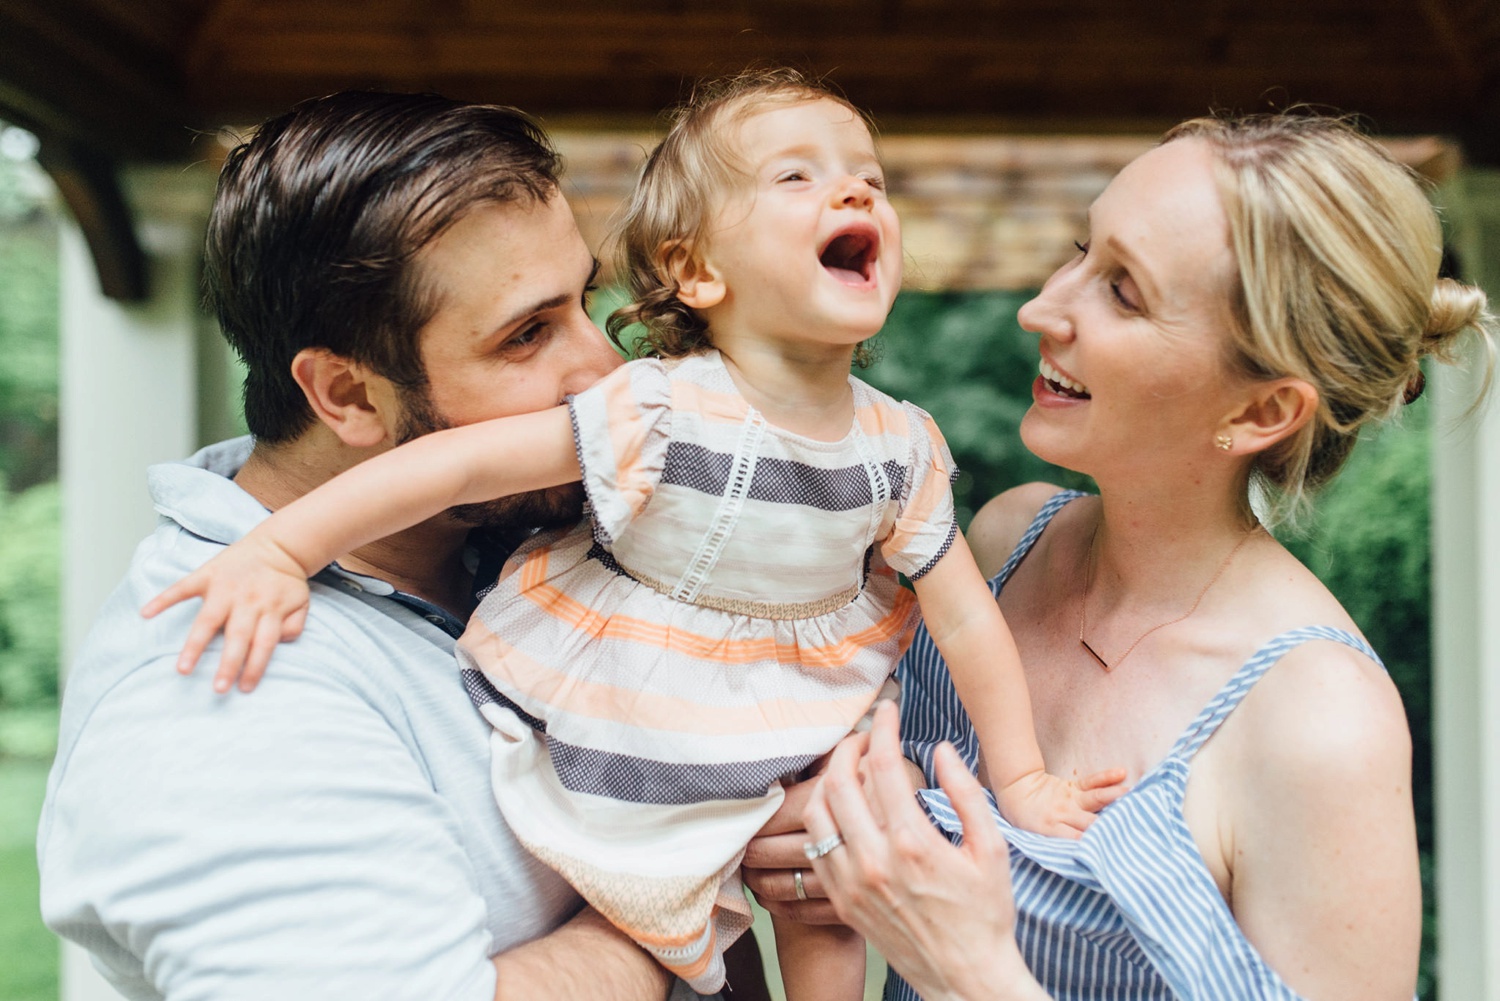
(1129,911)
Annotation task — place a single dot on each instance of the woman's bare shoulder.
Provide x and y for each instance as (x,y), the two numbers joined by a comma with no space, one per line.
(999,525)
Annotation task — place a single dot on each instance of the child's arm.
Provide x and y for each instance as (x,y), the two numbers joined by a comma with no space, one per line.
(256,590)
(970,633)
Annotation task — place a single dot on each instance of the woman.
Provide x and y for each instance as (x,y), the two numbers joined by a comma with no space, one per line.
(1252,292)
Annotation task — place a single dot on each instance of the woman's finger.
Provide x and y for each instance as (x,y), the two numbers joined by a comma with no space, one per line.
(982,838)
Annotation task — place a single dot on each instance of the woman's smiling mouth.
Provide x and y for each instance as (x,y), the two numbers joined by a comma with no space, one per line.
(1062,384)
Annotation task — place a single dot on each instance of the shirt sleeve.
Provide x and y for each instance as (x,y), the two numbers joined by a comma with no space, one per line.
(283,844)
(924,527)
(621,428)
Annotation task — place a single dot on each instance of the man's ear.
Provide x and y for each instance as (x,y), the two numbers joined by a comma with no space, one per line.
(1276,410)
(352,401)
(698,283)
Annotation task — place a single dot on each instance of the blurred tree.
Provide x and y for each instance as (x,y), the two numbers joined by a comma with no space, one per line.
(29,534)
(962,357)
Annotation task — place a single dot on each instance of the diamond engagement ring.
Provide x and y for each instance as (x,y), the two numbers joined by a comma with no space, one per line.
(816,850)
(797,881)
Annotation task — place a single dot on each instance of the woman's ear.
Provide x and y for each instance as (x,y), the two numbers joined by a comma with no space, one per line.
(357,405)
(1276,411)
(699,284)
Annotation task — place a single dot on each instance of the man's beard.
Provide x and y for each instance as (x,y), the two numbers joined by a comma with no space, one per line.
(562,505)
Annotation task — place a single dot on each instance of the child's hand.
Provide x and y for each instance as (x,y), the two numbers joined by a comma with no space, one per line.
(1046,804)
(256,594)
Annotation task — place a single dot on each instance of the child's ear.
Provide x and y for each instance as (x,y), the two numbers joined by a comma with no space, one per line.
(352,401)
(1276,410)
(698,283)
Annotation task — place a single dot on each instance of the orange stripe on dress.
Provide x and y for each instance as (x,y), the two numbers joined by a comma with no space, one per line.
(669,639)
(881,419)
(717,408)
(549,691)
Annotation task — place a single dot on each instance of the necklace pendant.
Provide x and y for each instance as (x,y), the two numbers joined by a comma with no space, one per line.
(1093,653)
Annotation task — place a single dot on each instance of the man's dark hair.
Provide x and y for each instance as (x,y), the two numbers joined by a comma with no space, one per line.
(319,217)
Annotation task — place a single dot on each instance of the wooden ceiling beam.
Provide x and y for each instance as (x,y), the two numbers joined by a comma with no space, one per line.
(89,184)
(70,78)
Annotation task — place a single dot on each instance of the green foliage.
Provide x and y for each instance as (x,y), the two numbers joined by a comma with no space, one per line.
(28,328)
(28,951)
(962,357)
(29,540)
(29,596)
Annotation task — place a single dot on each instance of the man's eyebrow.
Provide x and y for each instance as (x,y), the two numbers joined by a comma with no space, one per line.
(561,299)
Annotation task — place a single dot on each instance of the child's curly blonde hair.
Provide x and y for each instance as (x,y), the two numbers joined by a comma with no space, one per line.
(675,202)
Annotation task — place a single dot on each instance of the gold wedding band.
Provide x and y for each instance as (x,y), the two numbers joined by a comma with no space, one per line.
(797,881)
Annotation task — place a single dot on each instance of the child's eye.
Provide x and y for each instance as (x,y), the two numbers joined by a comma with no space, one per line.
(874,180)
(791,175)
(1083,248)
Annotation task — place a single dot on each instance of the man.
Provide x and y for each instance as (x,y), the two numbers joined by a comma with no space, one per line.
(386,265)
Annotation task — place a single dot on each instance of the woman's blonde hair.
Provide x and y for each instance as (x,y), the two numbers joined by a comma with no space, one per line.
(1338,251)
(679,192)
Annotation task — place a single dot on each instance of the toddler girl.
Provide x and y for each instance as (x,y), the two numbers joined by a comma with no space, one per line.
(731,607)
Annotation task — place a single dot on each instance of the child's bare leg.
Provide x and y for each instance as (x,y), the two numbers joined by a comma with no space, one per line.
(820,962)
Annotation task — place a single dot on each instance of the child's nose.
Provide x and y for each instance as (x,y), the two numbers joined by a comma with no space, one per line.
(855,192)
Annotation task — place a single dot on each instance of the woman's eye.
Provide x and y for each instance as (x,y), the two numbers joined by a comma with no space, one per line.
(1116,289)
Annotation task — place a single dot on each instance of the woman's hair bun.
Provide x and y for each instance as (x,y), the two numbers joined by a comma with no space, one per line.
(1456,308)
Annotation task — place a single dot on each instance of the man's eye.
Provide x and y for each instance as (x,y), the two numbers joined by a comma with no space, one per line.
(527,336)
(588,295)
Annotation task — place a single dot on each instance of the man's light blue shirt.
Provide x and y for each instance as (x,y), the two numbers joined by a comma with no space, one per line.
(331,835)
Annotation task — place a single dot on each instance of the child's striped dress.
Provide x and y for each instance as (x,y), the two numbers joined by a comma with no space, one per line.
(728,613)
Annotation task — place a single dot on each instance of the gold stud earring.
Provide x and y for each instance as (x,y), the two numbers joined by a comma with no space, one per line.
(1224,442)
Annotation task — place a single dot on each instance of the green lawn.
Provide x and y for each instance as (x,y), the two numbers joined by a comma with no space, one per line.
(28,951)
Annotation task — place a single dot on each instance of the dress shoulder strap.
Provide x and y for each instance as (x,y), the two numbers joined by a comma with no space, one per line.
(1054,504)
(1237,687)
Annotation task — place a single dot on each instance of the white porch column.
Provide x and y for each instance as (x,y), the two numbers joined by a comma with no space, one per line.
(1466,629)
(129,398)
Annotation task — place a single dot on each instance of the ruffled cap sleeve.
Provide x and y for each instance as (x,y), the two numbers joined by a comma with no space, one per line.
(621,428)
(924,526)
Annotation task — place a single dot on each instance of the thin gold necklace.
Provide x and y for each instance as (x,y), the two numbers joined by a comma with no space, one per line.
(1088,580)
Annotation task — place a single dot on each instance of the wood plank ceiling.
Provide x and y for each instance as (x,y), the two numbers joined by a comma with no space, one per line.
(136,78)
(104,82)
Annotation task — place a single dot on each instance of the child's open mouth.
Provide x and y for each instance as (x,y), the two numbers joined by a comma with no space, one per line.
(850,256)
(1061,384)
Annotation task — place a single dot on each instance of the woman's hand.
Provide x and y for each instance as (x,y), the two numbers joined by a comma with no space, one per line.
(942,916)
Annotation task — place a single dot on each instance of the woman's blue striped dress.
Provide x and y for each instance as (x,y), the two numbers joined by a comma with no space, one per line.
(1129,911)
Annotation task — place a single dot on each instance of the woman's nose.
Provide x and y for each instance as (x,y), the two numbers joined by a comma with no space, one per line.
(1047,313)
